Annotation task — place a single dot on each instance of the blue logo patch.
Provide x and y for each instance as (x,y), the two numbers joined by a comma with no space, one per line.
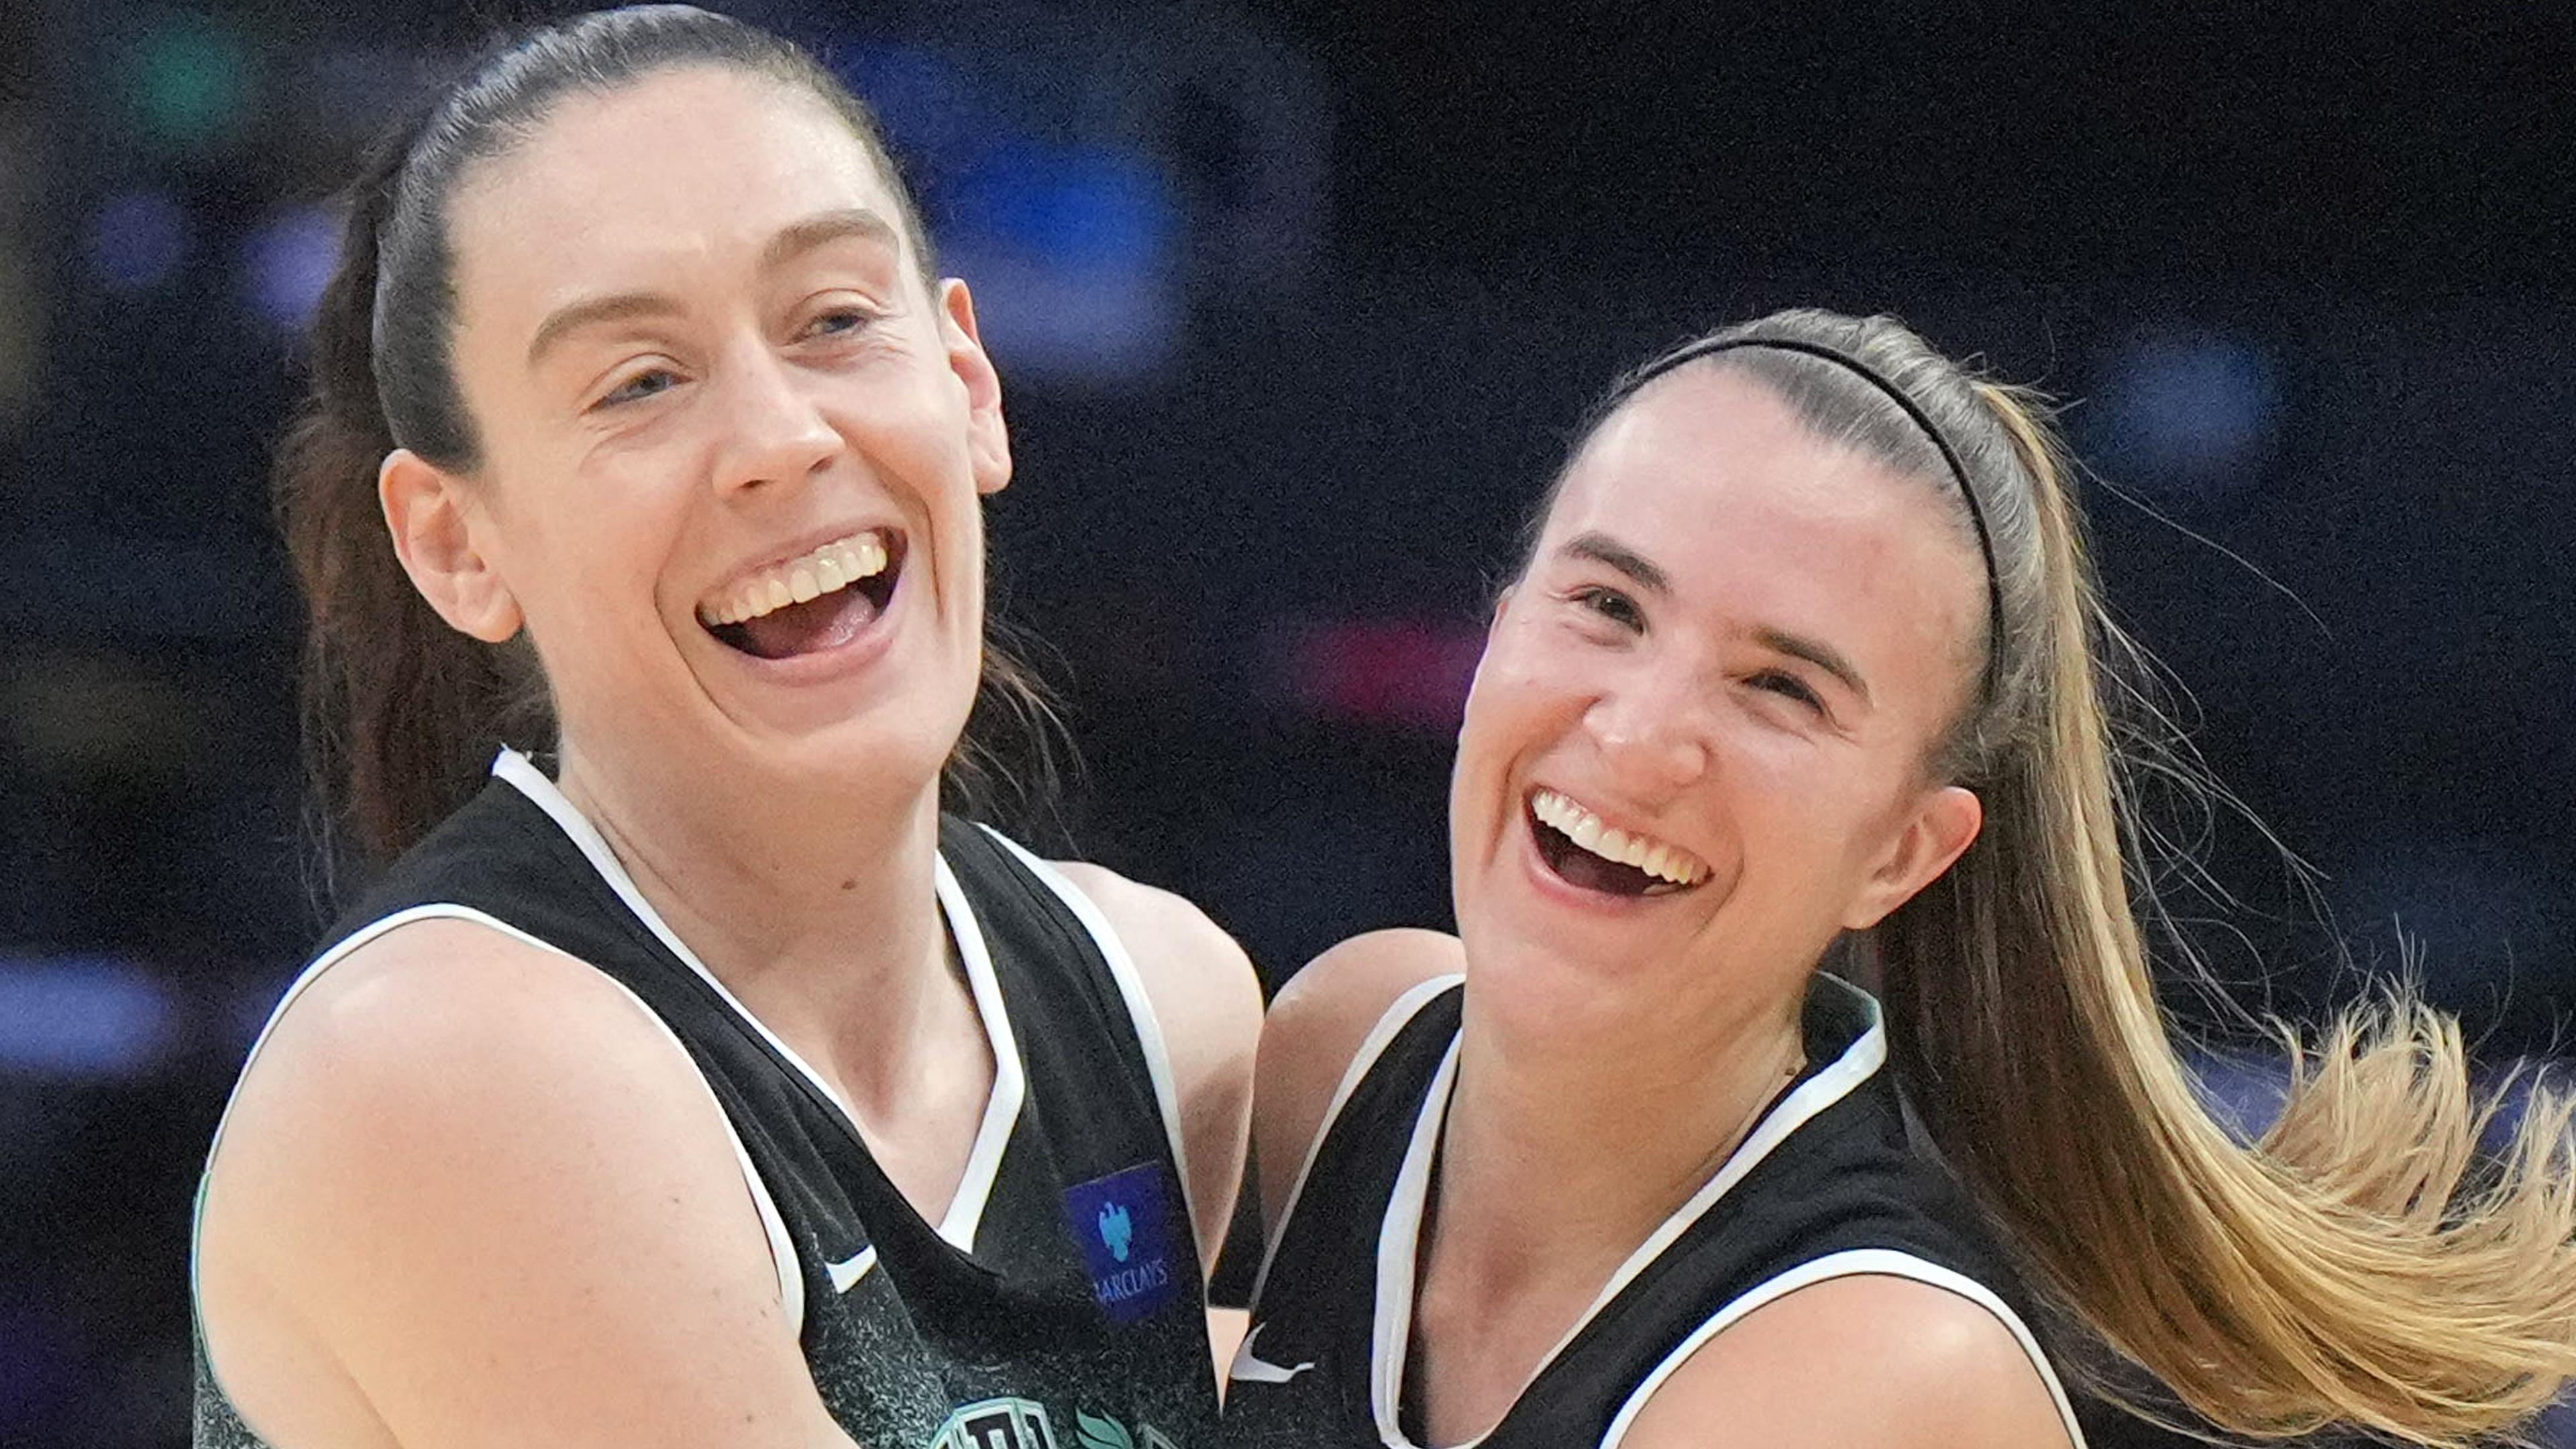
(1124,1224)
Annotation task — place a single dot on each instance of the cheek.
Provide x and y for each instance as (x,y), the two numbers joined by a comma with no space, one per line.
(1524,700)
(1518,696)
(585,558)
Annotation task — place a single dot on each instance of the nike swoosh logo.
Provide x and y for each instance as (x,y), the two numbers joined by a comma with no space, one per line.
(1253,1370)
(846,1274)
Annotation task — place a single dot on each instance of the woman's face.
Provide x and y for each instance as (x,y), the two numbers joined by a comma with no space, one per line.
(1696,745)
(732,444)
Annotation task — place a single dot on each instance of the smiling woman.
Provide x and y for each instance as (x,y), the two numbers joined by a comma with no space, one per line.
(712,1087)
(1806,650)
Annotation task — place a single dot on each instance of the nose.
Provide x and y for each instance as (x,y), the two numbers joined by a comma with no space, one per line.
(1652,729)
(772,430)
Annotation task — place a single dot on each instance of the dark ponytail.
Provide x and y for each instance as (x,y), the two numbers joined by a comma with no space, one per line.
(403,714)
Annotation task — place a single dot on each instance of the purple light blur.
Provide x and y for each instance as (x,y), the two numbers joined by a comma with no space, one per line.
(287,261)
(136,239)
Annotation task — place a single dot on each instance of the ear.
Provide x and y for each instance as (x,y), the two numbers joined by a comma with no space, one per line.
(988,442)
(429,513)
(1946,821)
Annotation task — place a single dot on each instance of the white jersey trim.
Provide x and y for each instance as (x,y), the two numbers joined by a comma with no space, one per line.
(1131,987)
(1397,1016)
(1010,1085)
(1885,1262)
(1401,1230)
(782,1250)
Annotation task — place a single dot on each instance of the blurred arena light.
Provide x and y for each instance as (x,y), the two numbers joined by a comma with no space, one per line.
(137,239)
(79,1016)
(1406,673)
(1070,248)
(2192,413)
(1062,226)
(287,260)
(188,78)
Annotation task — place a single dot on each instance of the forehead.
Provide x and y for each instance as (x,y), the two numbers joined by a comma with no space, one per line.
(690,164)
(1708,441)
(1712,476)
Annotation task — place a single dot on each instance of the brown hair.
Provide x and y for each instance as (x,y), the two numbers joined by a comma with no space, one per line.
(2360,1264)
(403,714)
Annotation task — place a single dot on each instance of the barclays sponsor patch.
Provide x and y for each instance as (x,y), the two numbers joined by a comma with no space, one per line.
(1125,1225)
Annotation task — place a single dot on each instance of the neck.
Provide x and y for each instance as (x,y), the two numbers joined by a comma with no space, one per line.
(1564,1150)
(806,907)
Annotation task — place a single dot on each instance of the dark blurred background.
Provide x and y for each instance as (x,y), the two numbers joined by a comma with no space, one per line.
(1295,304)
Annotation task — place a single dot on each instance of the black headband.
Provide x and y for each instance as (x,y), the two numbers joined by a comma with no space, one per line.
(1922,420)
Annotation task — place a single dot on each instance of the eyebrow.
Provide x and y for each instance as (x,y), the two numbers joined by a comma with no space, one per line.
(1609,552)
(1818,653)
(792,241)
(825,227)
(1602,549)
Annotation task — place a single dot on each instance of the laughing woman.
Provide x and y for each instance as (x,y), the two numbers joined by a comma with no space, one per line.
(713,1088)
(1807,644)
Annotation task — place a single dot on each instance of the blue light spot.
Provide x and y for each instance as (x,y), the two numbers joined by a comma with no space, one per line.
(137,239)
(287,261)
(1079,208)
(2199,412)
(81,1017)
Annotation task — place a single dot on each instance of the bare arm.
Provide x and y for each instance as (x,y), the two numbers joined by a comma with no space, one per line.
(482,1180)
(1208,1003)
(1866,1362)
(1316,1026)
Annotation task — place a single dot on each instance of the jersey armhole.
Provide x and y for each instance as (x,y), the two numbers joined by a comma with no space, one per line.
(782,1251)
(1886,1262)
(1131,990)
(1398,1015)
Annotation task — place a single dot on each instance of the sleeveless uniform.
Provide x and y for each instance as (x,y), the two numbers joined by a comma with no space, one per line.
(1824,1186)
(1056,1305)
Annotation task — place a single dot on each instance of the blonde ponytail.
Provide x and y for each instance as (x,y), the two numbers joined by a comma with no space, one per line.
(2361,1264)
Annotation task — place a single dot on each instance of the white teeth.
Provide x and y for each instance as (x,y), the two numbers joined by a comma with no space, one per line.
(828,569)
(1654,857)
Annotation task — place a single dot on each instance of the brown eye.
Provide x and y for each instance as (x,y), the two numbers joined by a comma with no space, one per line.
(1612,605)
(1789,686)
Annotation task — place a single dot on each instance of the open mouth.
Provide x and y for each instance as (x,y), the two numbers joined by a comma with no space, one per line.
(816,601)
(1583,851)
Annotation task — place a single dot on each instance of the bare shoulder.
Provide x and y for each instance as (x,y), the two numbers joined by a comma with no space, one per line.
(422,1026)
(1871,1360)
(1316,1027)
(485,1183)
(1201,982)
(1207,1002)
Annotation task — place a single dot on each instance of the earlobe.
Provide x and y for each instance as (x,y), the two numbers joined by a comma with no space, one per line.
(428,513)
(988,439)
(1945,824)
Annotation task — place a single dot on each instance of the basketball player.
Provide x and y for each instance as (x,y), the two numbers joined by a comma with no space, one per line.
(1806,644)
(711,1088)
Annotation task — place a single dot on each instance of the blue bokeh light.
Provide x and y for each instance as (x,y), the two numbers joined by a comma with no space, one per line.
(287,260)
(137,239)
(2191,412)
(82,1017)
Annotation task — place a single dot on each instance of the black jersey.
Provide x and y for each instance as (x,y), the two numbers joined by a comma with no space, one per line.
(1056,1305)
(1824,1186)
